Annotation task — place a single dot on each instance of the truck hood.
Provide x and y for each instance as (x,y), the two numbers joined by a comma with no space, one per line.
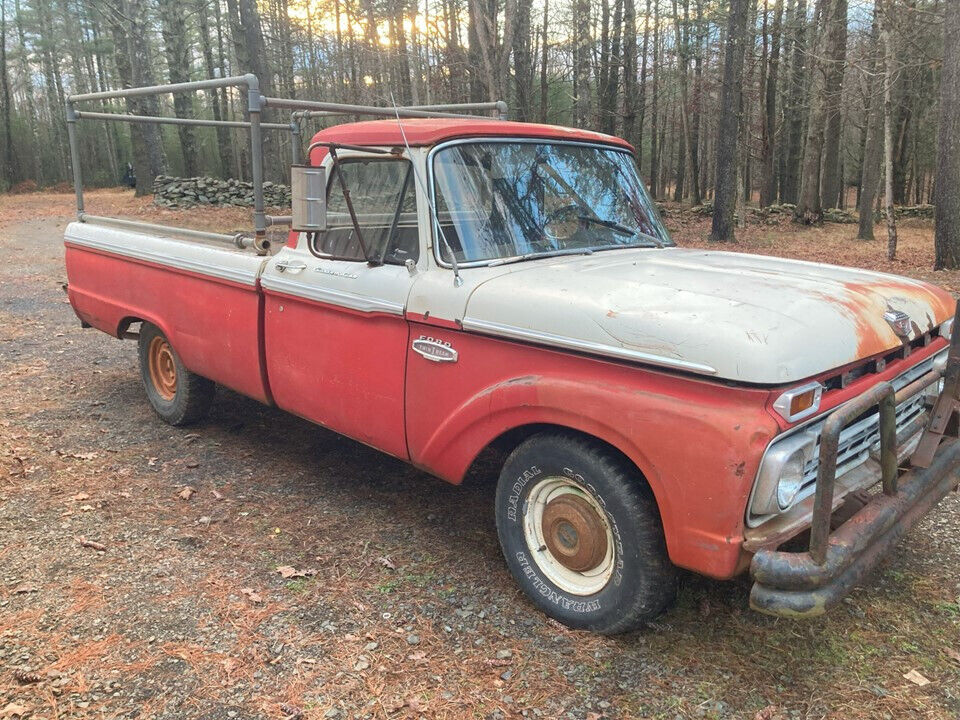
(747,318)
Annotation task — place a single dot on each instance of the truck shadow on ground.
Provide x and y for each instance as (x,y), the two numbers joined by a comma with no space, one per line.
(316,470)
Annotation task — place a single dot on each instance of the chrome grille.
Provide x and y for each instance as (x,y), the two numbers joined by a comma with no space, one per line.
(861,436)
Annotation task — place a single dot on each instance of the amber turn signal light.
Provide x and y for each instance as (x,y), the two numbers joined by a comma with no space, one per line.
(800,402)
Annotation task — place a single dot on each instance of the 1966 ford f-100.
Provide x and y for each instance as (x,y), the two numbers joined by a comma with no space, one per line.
(455,284)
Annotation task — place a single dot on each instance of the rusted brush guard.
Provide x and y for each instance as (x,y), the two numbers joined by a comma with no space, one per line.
(807,584)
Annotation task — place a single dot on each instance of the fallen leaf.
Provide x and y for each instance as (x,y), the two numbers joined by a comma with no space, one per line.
(187,493)
(252,595)
(14,710)
(386,562)
(192,464)
(229,665)
(593,716)
(217,495)
(87,508)
(414,704)
(24,588)
(84,456)
(291,712)
(416,656)
(767,713)
(80,497)
(92,544)
(288,571)
(916,678)
(952,654)
(152,461)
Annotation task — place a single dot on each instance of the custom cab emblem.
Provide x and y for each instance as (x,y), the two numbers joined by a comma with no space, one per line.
(433,349)
(899,321)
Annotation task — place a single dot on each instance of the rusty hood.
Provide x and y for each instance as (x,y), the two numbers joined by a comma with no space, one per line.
(747,318)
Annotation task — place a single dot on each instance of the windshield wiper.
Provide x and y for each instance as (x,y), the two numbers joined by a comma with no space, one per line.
(622,229)
(541,254)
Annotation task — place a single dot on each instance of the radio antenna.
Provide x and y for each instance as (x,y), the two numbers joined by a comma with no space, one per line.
(457,280)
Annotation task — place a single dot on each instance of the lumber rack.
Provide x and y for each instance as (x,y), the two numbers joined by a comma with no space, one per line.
(301,111)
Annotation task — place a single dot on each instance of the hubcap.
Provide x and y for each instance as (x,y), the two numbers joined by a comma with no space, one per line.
(569,535)
(574,533)
(163,368)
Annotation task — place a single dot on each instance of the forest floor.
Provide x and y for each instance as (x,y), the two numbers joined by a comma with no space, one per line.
(309,576)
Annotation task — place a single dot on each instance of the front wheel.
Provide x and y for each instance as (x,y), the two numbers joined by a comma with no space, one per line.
(177,395)
(582,535)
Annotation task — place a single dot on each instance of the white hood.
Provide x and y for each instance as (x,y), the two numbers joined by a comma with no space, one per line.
(747,318)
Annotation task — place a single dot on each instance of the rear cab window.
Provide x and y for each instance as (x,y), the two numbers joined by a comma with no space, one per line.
(383,194)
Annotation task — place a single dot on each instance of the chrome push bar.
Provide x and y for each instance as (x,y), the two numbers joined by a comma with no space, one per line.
(804,584)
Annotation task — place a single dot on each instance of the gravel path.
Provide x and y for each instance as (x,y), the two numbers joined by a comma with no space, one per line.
(257,566)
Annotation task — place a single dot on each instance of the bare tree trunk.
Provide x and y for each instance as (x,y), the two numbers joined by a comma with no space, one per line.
(947,187)
(794,111)
(888,71)
(682,38)
(629,70)
(728,129)
(610,72)
(873,145)
(215,96)
(581,62)
(654,148)
(544,86)
(832,183)
(522,64)
(10,172)
(132,55)
(174,31)
(809,210)
(768,182)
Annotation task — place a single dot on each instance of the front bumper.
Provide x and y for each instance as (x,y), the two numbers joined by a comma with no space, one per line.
(808,583)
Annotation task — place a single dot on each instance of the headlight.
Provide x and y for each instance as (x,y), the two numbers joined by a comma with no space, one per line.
(781,474)
(946,329)
(800,402)
(791,479)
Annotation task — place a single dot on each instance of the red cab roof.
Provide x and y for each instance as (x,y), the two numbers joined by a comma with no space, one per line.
(421,132)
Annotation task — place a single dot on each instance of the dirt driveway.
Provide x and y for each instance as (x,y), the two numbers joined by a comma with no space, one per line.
(257,566)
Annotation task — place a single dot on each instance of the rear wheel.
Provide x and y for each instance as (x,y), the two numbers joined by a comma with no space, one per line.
(582,535)
(177,395)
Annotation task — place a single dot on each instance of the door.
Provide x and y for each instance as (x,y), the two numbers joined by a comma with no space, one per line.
(334,326)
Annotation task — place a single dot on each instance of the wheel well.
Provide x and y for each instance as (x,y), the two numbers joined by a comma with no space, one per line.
(123,329)
(497,450)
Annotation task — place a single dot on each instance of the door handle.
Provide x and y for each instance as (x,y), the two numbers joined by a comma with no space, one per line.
(293,266)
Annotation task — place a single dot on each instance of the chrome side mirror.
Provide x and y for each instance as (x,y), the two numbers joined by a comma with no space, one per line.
(308,192)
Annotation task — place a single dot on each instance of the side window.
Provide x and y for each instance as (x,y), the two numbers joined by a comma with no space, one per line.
(384,199)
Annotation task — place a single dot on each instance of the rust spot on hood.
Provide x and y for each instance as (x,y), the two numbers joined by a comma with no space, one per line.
(867,301)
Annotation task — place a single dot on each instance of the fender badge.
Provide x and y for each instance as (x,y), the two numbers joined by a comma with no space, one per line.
(434,350)
(899,321)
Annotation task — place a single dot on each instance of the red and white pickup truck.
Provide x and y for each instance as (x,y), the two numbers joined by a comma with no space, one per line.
(486,284)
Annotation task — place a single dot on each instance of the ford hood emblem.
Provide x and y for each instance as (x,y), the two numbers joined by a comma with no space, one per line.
(899,321)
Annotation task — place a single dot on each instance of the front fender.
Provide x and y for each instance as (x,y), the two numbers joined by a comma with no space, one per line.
(696,442)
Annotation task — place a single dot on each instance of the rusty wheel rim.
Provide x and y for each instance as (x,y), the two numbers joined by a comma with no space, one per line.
(570,536)
(163,368)
(574,532)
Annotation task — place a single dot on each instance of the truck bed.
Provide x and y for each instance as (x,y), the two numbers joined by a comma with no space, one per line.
(118,276)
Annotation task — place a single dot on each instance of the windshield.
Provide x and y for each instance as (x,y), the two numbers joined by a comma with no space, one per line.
(502,201)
